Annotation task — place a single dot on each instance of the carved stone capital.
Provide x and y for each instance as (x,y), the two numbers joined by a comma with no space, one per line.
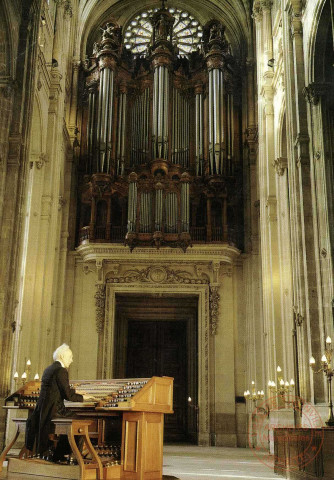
(257,11)
(280,164)
(314,91)
(100,302)
(266,5)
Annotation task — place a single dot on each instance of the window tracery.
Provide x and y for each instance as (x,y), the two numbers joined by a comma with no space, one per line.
(187,32)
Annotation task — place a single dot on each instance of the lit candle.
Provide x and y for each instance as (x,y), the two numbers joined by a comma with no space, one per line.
(28,363)
(287,384)
(253,383)
(324,359)
(36,377)
(328,340)
(16,376)
(189,399)
(292,382)
(24,376)
(279,369)
(262,393)
(312,361)
(281,382)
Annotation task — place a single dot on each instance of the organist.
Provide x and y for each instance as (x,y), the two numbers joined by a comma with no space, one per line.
(55,388)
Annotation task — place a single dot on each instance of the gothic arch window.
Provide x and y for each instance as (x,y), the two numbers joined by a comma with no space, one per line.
(187,32)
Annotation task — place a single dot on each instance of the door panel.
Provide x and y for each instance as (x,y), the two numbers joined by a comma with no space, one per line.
(160,348)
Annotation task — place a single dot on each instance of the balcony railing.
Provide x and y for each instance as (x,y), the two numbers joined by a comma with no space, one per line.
(118,233)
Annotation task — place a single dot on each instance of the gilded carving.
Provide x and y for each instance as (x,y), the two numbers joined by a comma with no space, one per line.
(100,300)
(214,309)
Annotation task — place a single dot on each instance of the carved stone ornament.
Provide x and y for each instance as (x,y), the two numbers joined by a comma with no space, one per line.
(100,302)
(157,274)
(314,91)
(61,202)
(297,317)
(280,164)
(41,161)
(214,309)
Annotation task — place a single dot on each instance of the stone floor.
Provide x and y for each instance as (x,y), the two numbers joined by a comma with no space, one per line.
(214,463)
(186,462)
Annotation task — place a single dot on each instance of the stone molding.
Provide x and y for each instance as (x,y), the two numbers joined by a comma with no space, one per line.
(112,253)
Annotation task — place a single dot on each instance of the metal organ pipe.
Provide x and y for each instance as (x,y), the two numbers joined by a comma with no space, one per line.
(90,129)
(160,112)
(140,128)
(216,121)
(104,125)
(185,207)
(199,134)
(158,209)
(132,205)
(121,134)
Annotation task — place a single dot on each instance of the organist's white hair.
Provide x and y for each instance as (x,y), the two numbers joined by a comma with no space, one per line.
(60,351)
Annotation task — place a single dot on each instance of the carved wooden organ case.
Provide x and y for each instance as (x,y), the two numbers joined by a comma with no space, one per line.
(160,150)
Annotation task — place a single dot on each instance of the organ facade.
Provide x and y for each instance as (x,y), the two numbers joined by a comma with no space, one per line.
(160,156)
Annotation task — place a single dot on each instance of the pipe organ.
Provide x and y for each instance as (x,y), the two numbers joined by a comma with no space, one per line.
(159,132)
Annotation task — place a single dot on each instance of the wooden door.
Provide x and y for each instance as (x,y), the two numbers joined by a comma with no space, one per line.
(160,348)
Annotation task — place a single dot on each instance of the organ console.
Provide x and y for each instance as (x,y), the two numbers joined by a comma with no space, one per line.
(121,427)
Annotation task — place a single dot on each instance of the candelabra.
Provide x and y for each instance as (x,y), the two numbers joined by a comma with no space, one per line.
(283,386)
(25,375)
(255,395)
(326,367)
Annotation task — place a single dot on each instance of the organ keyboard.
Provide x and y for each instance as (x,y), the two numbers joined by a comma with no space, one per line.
(122,427)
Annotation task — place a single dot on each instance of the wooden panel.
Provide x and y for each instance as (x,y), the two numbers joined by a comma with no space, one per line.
(130,445)
(153,441)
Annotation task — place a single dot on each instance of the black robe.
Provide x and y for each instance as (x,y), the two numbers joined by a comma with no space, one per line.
(55,389)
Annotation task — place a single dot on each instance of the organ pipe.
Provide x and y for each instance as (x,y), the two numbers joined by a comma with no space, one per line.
(181,125)
(158,209)
(185,206)
(104,126)
(140,128)
(121,133)
(160,112)
(90,129)
(132,205)
(216,121)
(199,133)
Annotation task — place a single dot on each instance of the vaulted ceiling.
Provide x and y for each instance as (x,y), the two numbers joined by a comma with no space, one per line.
(234,14)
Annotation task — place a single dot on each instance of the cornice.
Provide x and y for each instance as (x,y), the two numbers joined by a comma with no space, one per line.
(116,252)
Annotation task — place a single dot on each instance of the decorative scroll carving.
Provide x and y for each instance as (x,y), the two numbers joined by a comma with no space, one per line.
(214,309)
(100,302)
(157,274)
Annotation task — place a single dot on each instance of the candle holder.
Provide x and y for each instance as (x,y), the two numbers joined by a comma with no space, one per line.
(25,377)
(327,369)
(255,395)
(282,388)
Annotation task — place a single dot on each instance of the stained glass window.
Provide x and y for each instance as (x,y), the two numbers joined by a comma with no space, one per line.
(187,32)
